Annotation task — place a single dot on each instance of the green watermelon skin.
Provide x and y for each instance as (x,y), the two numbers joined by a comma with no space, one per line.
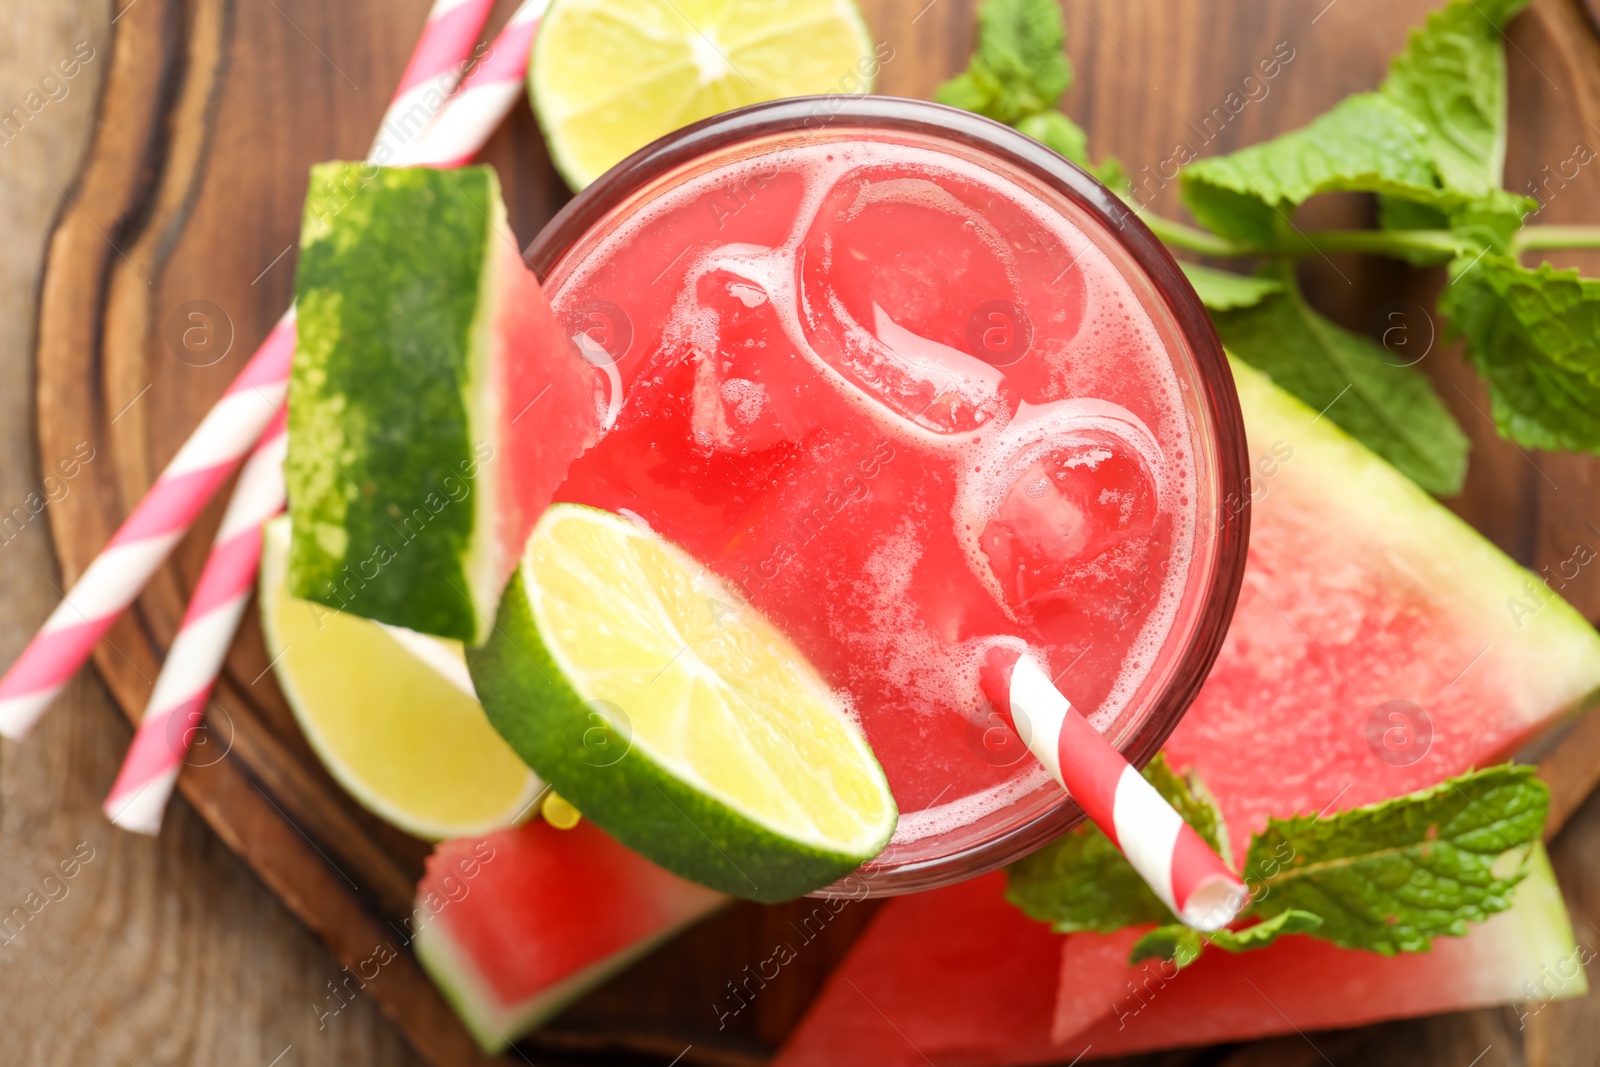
(434,404)
(515,925)
(1359,589)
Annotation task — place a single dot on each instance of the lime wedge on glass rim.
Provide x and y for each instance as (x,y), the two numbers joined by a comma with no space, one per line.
(396,728)
(676,717)
(609,76)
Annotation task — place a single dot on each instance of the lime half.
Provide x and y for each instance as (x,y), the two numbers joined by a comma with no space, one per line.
(674,716)
(396,730)
(610,76)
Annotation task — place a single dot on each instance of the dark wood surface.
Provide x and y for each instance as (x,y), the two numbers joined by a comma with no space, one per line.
(190,186)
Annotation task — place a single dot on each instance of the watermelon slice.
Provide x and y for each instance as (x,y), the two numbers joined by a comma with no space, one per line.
(1364,600)
(1380,644)
(514,926)
(953,977)
(1525,954)
(434,402)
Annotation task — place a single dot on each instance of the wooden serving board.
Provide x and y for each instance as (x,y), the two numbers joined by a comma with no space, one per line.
(189,199)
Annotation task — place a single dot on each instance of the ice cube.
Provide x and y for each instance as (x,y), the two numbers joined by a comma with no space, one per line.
(1065,512)
(899,275)
(749,381)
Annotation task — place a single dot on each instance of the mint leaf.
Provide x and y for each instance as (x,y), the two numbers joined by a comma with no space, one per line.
(1365,143)
(1018,72)
(1114,176)
(1181,945)
(1018,68)
(1433,135)
(1362,387)
(1060,134)
(1174,942)
(1081,882)
(1452,78)
(1534,335)
(1266,931)
(1392,876)
(1223,290)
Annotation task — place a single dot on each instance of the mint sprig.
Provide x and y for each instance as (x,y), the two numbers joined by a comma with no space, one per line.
(1018,68)
(1393,876)
(1017,74)
(1389,877)
(1430,143)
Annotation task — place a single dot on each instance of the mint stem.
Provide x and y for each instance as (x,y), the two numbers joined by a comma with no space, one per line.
(1376,242)
(1531,237)
(1397,243)
(1177,235)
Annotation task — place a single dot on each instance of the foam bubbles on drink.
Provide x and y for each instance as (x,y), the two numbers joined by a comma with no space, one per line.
(745,397)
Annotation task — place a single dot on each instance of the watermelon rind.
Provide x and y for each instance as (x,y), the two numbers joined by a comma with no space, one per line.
(1543,933)
(390,398)
(494,1024)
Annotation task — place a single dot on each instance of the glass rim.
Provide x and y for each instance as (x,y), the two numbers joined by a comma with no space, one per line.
(1219,400)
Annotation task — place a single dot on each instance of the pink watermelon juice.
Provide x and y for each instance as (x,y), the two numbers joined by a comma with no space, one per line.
(905,394)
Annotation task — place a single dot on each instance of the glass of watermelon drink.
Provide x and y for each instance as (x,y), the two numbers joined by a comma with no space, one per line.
(907,381)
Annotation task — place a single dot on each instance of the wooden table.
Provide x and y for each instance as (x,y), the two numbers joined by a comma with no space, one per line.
(174,950)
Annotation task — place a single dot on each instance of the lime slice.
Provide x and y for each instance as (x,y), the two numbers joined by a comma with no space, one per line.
(610,76)
(674,716)
(397,732)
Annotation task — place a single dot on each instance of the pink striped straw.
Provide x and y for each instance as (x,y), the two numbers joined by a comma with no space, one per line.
(436,66)
(206,460)
(1177,864)
(486,97)
(138,799)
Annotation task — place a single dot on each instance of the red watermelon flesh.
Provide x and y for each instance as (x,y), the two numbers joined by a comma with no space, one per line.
(1360,590)
(955,976)
(515,925)
(1367,605)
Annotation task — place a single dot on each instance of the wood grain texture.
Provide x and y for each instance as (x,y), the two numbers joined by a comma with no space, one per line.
(190,191)
(155,952)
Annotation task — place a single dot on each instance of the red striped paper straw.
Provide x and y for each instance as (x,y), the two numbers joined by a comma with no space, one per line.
(121,570)
(150,769)
(436,67)
(147,535)
(144,785)
(1184,871)
(487,95)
